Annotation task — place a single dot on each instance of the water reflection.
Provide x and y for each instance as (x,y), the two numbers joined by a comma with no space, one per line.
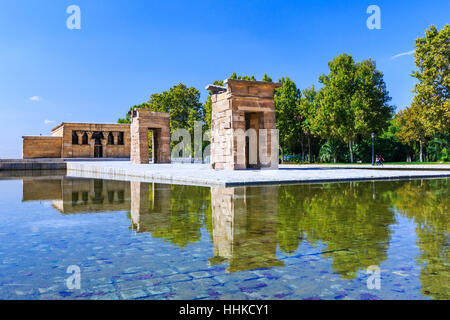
(175,213)
(345,217)
(79,195)
(428,204)
(245,227)
(248,226)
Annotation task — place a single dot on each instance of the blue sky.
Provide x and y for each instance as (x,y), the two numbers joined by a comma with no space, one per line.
(127,50)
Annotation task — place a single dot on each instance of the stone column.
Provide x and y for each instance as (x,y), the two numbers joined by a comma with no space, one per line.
(91,143)
(80,136)
(104,142)
(116,138)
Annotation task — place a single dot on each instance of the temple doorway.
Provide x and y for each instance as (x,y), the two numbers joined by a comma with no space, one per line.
(252,121)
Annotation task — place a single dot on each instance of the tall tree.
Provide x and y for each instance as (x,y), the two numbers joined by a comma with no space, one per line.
(433,73)
(353,101)
(307,112)
(287,98)
(411,127)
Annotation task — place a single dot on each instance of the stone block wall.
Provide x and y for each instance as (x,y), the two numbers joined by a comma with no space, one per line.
(41,147)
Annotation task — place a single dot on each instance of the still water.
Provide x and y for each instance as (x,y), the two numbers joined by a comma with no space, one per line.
(133,240)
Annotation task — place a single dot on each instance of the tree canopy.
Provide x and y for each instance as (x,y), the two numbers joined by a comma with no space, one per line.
(353,101)
(181,102)
(433,89)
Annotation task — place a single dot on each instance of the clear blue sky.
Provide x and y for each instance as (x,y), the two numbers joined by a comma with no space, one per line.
(127,50)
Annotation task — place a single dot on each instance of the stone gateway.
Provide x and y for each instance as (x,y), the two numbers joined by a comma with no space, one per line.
(243,132)
(158,122)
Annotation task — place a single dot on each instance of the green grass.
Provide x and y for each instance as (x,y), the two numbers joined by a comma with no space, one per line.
(366,164)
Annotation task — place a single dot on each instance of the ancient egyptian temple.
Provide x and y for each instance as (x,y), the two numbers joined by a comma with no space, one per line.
(243,132)
(80,140)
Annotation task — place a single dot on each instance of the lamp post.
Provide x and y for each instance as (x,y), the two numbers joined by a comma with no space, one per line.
(373,149)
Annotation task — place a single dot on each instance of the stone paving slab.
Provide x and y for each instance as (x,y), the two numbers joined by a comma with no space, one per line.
(201,174)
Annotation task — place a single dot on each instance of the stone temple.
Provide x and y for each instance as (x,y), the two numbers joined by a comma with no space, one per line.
(243,132)
(80,140)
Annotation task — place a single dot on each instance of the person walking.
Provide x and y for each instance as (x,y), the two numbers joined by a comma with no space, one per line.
(381,159)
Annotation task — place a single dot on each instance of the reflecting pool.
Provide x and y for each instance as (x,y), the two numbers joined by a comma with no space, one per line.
(134,240)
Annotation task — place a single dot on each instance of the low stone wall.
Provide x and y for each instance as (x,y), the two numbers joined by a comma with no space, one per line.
(42,147)
(31,165)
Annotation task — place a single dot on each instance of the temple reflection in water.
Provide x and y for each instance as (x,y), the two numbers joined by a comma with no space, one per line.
(79,195)
(245,227)
(248,226)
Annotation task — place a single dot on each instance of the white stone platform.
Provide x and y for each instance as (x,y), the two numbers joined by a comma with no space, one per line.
(201,174)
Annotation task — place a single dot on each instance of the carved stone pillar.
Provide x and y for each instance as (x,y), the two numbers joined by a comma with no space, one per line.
(91,143)
(116,138)
(80,136)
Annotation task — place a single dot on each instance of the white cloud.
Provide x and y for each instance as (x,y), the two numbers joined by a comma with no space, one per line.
(49,121)
(35,98)
(403,54)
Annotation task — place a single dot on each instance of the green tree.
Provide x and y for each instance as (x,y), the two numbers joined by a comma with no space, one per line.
(266,78)
(353,101)
(307,111)
(433,73)
(331,150)
(411,128)
(181,102)
(287,98)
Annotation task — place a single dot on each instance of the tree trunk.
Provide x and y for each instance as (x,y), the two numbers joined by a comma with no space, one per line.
(303,150)
(309,148)
(282,154)
(421,151)
(438,151)
(350,146)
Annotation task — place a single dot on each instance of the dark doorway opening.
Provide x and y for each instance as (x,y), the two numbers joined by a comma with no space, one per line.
(98,151)
(98,148)
(153,136)
(252,121)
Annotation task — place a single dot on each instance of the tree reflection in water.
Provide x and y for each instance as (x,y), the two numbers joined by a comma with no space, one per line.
(427,202)
(247,225)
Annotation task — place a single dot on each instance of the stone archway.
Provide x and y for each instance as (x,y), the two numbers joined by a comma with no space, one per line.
(243,132)
(141,122)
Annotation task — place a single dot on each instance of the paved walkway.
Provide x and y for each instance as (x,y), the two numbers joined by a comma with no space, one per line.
(201,174)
